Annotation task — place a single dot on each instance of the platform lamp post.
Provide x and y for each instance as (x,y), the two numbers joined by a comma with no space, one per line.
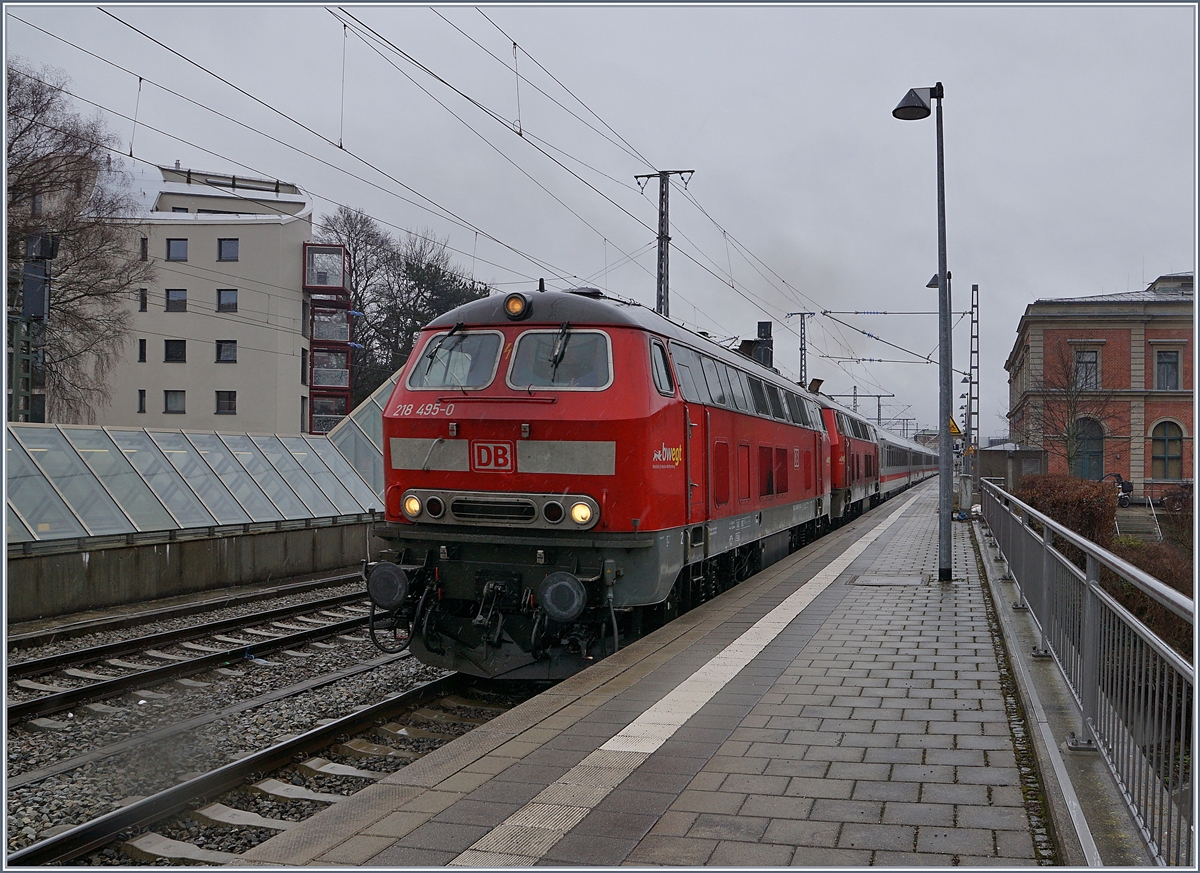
(915,106)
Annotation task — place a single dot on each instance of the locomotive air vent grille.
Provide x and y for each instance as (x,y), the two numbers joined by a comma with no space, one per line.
(478,509)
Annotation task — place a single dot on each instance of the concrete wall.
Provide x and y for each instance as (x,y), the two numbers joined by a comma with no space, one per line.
(49,585)
(1011,466)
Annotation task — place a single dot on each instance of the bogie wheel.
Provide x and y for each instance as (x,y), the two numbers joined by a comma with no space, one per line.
(390,631)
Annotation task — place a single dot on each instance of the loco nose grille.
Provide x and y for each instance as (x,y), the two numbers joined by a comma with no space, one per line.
(476,509)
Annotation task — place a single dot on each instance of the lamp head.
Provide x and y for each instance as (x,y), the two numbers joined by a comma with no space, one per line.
(914,106)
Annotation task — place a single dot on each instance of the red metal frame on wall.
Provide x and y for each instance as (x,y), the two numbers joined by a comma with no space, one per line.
(330,329)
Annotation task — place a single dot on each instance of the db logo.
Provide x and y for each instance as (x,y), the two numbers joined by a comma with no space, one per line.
(492,457)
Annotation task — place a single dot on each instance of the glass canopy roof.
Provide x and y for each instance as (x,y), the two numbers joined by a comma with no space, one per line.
(359,436)
(69,481)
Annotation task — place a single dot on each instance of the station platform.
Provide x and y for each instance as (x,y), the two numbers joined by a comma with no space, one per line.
(842,707)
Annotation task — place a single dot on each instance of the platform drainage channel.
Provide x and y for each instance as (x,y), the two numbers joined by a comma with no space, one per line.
(888,580)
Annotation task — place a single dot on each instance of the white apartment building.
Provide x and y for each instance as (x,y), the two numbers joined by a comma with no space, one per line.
(221,342)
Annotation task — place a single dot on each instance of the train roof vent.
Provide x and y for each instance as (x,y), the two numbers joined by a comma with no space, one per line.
(586,292)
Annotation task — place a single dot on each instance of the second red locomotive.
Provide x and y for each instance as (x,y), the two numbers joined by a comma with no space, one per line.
(566,471)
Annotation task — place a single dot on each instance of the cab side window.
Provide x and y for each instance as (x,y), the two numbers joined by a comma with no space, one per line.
(661,369)
(691,375)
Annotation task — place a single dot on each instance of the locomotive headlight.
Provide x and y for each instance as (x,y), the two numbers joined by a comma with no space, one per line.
(581,513)
(516,305)
(412,506)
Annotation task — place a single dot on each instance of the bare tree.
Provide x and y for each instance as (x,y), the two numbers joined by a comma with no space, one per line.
(368,249)
(62,180)
(398,285)
(1061,400)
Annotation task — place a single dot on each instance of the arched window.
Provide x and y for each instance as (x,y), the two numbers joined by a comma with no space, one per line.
(1167,451)
(1089,449)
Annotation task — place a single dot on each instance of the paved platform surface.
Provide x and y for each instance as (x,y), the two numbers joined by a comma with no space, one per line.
(842,707)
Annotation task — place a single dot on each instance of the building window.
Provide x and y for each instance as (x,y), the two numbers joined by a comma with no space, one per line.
(227,250)
(304,366)
(303,415)
(173,402)
(142,351)
(143,300)
(226,351)
(1089,449)
(1087,369)
(35,207)
(1166,458)
(177,250)
(304,318)
(227,300)
(1167,371)
(330,369)
(176,300)
(144,255)
(226,403)
(141,400)
(179,209)
(175,351)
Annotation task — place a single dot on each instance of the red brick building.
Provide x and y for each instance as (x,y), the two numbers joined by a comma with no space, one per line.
(1104,384)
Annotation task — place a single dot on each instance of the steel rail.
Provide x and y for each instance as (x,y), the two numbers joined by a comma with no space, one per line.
(195,722)
(103,830)
(61,700)
(87,626)
(40,666)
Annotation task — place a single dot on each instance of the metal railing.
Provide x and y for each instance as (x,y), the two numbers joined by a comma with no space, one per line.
(1135,693)
(1154,515)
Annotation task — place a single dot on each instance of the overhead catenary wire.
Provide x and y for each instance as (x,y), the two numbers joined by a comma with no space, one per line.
(630,149)
(491,113)
(731,283)
(465,225)
(485,109)
(551,269)
(434,205)
(136,106)
(488,142)
(497,117)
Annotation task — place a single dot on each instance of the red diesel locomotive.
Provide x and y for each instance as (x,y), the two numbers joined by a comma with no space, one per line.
(566,471)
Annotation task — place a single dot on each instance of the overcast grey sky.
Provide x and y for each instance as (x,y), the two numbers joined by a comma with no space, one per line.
(1070,150)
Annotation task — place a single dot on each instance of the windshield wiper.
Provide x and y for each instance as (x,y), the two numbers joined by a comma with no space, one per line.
(437,347)
(560,348)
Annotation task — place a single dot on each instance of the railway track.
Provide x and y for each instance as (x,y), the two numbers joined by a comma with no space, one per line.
(352,752)
(173,655)
(61,631)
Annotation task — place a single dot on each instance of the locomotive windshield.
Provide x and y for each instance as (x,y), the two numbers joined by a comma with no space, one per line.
(457,360)
(561,359)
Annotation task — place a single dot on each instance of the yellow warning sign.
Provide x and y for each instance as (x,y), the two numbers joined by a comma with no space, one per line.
(954,431)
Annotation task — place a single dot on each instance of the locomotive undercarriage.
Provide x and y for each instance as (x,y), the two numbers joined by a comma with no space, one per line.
(500,603)
(493,603)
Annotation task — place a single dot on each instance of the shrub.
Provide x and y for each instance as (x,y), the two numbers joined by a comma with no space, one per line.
(1177,526)
(1166,563)
(1085,507)
(1089,509)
